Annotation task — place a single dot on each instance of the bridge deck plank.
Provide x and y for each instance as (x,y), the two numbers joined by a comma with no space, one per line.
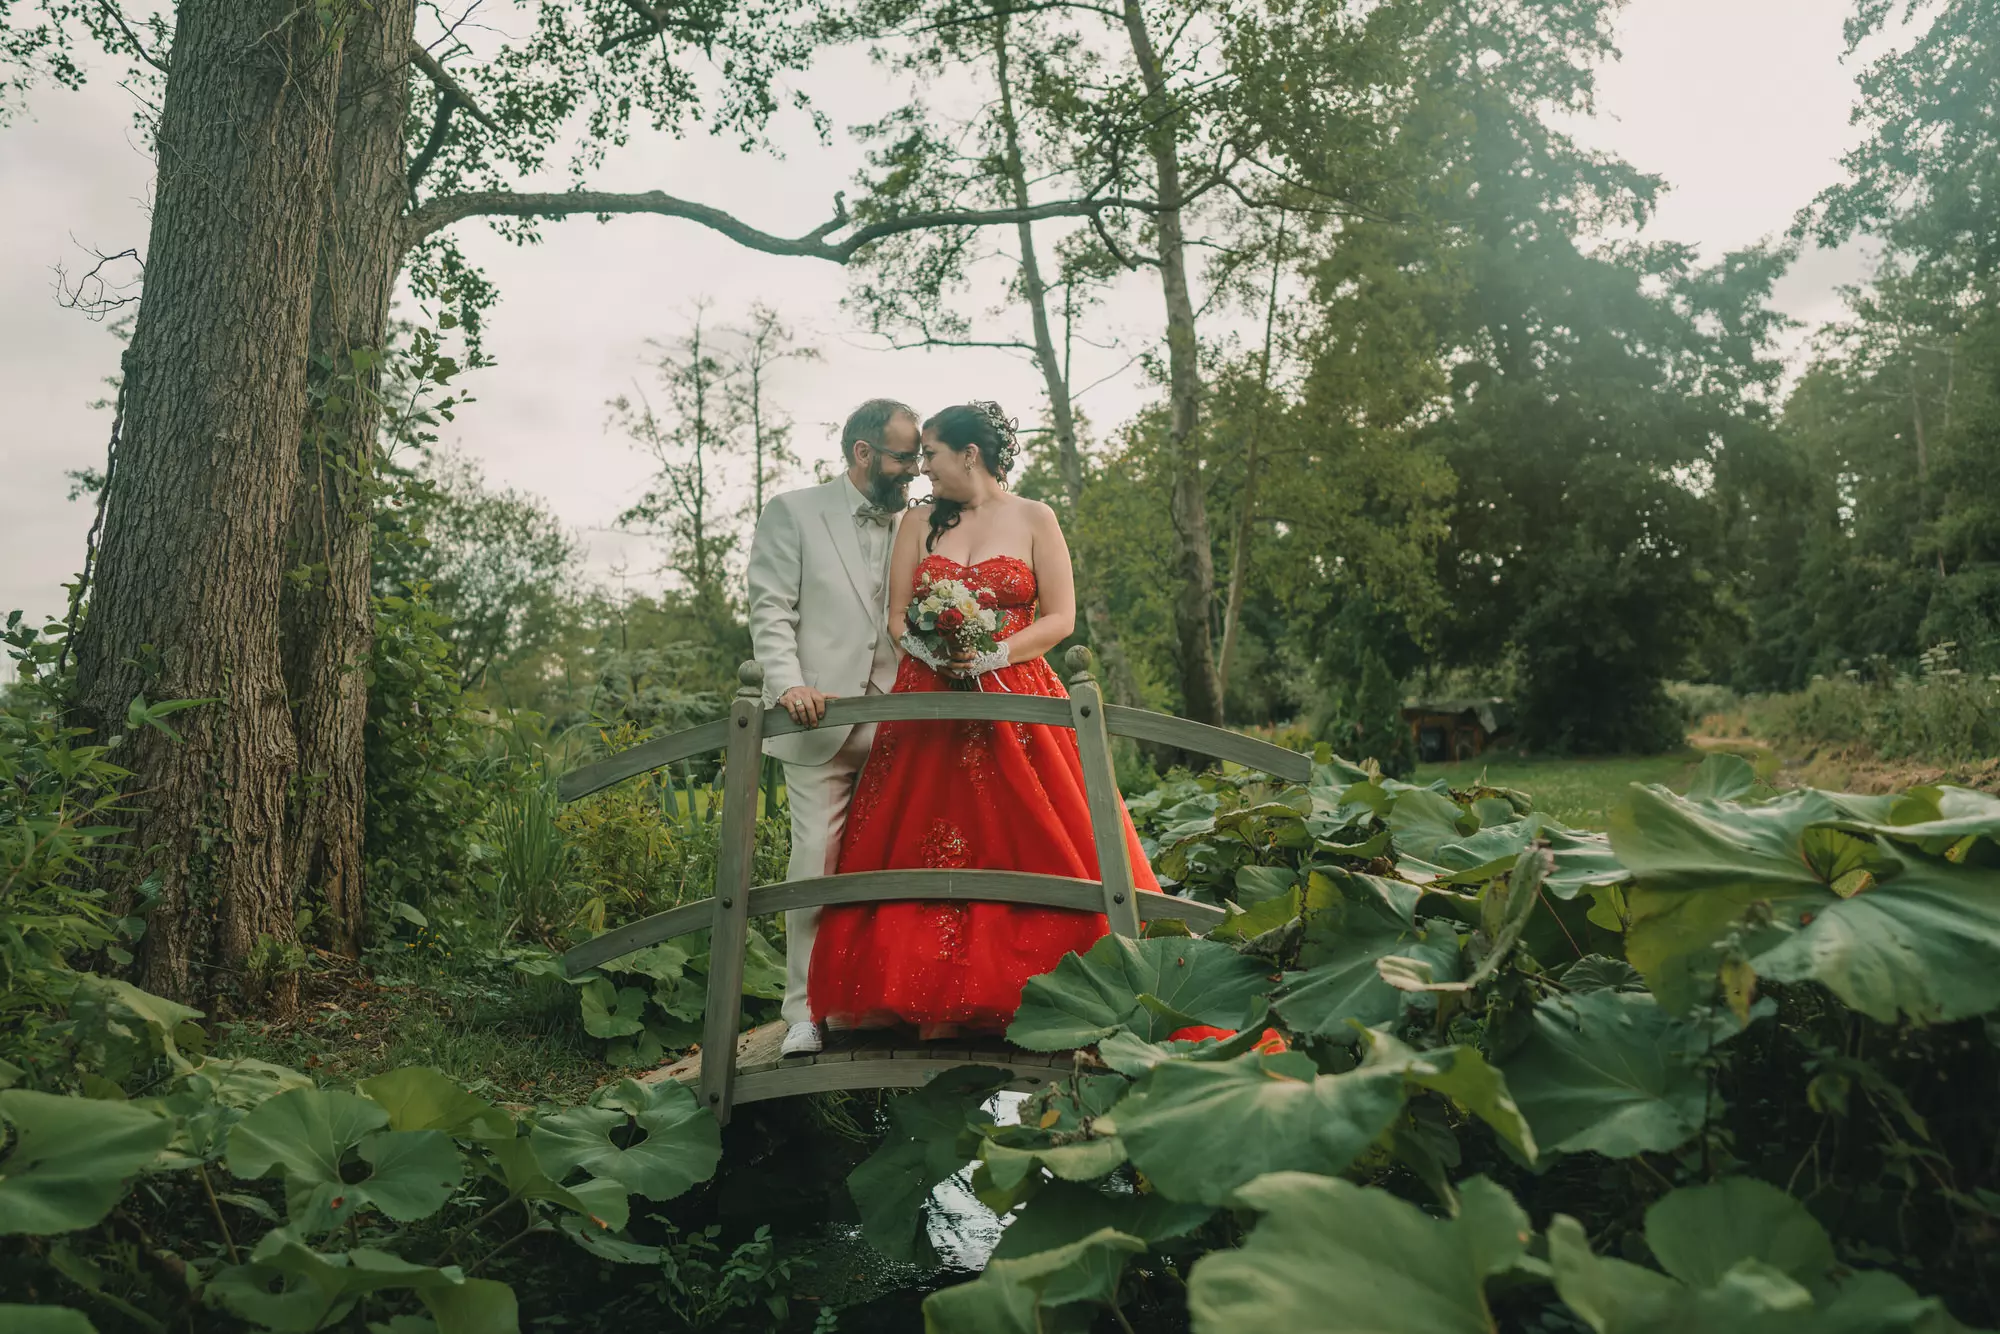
(859,1062)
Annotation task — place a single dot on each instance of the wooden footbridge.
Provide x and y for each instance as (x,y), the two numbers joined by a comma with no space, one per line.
(752,1070)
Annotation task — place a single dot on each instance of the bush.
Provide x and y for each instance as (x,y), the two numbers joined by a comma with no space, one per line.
(1941,716)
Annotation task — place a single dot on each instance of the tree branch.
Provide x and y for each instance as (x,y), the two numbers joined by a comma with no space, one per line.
(437,214)
(138,47)
(449,88)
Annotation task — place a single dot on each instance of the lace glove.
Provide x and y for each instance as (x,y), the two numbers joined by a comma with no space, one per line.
(990,662)
(916,648)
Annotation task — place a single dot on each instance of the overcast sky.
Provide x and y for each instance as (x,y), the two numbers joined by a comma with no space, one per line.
(1742,105)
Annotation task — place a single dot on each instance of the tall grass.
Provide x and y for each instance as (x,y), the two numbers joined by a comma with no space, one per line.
(1943,717)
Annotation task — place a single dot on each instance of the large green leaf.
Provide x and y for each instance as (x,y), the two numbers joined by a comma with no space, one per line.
(1889,931)
(1424,820)
(1742,1257)
(1337,1258)
(1463,1075)
(933,1133)
(420,1098)
(652,1139)
(287,1286)
(1010,1297)
(1063,1214)
(413,1172)
(1352,925)
(1609,1072)
(612,1012)
(1091,996)
(1280,1114)
(71,1158)
(306,1136)
(1940,812)
(1699,1233)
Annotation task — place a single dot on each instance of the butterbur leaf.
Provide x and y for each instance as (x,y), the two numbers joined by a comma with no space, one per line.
(287,1286)
(475,1306)
(1091,996)
(1282,1113)
(1008,1296)
(1338,1258)
(1722,778)
(414,1172)
(1063,1214)
(1699,1233)
(934,1131)
(1763,884)
(1422,820)
(652,1139)
(1462,1075)
(1741,1256)
(419,1098)
(306,1135)
(70,1159)
(1609,1072)
(612,1012)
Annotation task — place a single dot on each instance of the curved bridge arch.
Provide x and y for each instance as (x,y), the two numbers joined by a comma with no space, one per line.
(749,1072)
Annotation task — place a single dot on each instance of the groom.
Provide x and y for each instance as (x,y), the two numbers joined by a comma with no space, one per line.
(819,610)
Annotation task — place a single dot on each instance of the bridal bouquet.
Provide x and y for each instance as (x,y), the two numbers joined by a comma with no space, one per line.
(951,618)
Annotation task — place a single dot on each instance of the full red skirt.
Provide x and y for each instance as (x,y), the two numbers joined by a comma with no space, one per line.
(978,795)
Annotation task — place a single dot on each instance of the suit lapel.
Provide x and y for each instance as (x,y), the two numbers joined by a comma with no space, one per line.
(840,524)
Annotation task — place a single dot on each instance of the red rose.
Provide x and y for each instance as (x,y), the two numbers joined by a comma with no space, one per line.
(987,597)
(950,619)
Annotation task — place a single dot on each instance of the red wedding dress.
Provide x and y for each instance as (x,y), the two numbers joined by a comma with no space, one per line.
(976,795)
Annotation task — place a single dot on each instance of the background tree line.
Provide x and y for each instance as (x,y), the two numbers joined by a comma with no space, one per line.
(1426,415)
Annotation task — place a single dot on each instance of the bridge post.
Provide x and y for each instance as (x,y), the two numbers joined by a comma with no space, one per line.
(743,767)
(1100,789)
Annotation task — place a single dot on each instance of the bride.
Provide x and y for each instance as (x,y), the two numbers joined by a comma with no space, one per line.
(981,795)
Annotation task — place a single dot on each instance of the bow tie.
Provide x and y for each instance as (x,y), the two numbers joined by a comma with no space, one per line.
(875,514)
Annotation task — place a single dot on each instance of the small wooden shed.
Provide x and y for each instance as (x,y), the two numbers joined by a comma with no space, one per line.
(1444,731)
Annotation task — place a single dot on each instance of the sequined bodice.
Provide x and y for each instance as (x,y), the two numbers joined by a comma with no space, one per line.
(1011,579)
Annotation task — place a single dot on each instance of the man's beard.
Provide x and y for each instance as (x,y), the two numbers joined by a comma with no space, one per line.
(890,493)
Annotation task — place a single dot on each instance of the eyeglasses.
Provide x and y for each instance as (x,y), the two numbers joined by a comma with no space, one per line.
(900,455)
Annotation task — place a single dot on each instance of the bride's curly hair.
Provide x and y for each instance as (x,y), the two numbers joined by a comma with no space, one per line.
(981,425)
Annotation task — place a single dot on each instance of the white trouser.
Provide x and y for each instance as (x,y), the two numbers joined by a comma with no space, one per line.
(819,795)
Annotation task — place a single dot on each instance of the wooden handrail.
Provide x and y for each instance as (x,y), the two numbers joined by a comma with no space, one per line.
(1052,891)
(948,705)
(1166,730)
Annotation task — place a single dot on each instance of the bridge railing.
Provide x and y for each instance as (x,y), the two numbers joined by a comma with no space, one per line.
(741,736)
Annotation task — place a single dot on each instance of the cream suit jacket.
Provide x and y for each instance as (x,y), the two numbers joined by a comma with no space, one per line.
(814,617)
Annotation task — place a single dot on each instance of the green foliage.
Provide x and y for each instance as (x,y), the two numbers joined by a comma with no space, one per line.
(1942,716)
(430,782)
(367,1177)
(1448,969)
(1354,1260)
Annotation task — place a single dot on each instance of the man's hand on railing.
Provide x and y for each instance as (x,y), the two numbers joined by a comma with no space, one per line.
(806,705)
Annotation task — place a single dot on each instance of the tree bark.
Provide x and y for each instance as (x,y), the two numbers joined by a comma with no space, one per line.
(1194,595)
(327,610)
(1123,686)
(185,604)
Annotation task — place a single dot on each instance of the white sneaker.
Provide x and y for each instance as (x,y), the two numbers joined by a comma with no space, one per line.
(801,1040)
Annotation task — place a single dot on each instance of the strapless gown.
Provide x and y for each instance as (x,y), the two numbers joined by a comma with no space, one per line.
(977,795)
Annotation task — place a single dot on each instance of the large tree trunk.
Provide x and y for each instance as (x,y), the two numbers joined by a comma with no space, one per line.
(185,604)
(1194,594)
(328,624)
(1122,685)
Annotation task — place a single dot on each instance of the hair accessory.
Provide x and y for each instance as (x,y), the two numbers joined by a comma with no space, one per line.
(1003,426)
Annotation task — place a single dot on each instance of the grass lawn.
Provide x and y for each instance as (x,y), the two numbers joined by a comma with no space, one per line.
(1582,792)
